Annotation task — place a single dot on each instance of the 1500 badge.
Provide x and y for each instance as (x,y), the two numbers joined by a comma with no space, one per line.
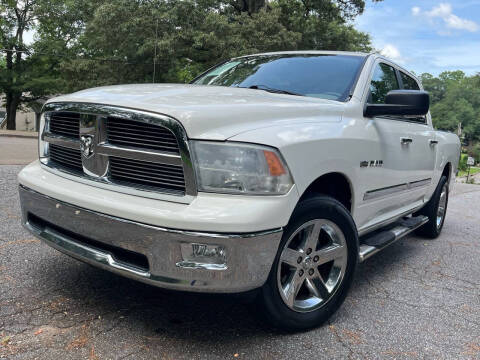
(371,163)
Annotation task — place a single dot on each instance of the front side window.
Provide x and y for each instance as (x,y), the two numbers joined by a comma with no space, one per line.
(409,83)
(384,80)
(323,76)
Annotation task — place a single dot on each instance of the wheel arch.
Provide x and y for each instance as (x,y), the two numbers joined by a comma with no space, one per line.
(334,184)
(447,171)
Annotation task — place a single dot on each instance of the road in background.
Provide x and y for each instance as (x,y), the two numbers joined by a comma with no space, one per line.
(417,299)
(17,150)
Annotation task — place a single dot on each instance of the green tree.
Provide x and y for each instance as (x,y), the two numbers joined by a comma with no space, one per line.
(30,72)
(25,75)
(186,37)
(17,17)
(455,99)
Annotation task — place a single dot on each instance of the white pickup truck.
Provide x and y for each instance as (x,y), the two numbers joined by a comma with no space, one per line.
(277,172)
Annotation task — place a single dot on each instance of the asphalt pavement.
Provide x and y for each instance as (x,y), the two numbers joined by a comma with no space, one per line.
(418,299)
(17,148)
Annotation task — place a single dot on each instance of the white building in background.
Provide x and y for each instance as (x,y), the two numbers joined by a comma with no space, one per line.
(25,119)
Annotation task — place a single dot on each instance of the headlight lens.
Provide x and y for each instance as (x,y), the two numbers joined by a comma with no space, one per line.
(240,169)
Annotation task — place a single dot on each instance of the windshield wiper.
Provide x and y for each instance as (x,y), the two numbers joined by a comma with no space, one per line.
(272,90)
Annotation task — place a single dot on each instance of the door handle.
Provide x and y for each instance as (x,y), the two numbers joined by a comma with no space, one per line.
(406,141)
(433,142)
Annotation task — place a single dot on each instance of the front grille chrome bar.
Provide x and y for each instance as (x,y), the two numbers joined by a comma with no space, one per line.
(136,154)
(61,141)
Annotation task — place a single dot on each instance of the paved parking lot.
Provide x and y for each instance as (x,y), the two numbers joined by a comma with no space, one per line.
(418,299)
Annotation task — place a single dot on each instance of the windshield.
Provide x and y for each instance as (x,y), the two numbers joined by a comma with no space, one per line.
(321,76)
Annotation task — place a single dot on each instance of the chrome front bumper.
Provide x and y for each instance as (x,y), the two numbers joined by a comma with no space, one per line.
(150,254)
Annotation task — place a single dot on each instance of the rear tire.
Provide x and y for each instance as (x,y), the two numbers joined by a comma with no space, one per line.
(314,266)
(435,210)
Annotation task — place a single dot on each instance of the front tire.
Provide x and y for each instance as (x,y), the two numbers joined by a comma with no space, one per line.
(314,266)
(435,210)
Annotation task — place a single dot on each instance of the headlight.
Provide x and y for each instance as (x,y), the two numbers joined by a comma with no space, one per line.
(240,169)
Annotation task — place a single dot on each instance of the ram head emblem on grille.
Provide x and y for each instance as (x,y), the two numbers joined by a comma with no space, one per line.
(86,145)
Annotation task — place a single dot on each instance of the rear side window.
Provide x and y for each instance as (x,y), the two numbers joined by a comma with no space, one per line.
(384,79)
(409,83)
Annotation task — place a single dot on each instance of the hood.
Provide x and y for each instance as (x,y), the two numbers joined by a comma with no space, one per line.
(213,112)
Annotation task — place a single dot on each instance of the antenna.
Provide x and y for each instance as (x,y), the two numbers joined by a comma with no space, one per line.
(155,52)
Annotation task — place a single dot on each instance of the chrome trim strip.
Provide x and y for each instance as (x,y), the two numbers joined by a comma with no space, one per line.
(420,183)
(374,194)
(196,266)
(136,154)
(377,193)
(61,140)
(101,112)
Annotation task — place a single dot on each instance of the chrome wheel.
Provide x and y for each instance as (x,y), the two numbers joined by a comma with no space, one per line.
(442,206)
(312,265)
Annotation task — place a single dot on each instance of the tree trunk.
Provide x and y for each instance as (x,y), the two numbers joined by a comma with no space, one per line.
(12,106)
(14,50)
(11,101)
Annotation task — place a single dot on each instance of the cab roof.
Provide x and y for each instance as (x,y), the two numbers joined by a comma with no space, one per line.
(310,52)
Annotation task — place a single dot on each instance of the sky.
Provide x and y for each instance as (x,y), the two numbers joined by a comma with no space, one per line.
(426,35)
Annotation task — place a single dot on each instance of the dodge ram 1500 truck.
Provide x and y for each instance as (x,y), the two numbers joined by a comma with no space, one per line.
(277,172)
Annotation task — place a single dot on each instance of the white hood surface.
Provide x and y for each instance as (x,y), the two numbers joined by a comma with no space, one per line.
(213,112)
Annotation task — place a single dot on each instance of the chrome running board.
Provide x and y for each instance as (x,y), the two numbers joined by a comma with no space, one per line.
(372,243)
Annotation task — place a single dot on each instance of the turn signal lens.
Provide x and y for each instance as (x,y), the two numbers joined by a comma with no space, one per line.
(274,164)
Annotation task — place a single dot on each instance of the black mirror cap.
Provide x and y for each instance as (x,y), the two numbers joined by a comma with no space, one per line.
(401,102)
(416,98)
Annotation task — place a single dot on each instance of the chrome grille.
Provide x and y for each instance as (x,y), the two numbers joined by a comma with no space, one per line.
(69,158)
(65,124)
(147,174)
(126,132)
(125,150)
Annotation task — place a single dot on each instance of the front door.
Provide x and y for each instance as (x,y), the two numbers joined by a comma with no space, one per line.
(403,163)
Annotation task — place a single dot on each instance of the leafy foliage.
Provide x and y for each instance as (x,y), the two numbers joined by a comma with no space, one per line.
(455,99)
(29,72)
(186,37)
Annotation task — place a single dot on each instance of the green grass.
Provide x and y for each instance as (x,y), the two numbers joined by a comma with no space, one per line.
(473,170)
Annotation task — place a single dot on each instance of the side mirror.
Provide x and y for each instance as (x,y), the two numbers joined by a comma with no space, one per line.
(401,102)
